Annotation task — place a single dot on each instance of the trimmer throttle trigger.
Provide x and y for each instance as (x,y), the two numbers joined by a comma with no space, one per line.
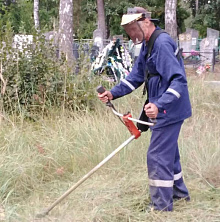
(101,89)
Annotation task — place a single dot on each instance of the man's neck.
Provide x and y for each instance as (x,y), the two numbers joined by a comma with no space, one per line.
(150,32)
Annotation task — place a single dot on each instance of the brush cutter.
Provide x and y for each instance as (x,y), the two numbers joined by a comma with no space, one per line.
(128,122)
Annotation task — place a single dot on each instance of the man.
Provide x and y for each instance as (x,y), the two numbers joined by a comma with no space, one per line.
(168,102)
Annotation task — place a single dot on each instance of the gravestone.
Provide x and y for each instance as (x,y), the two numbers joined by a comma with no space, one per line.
(206,50)
(195,35)
(23,43)
(115,37)
(207,45)
(51,36)
(212,33)
(188,41)
(85,49)
(98,38)
(76,50)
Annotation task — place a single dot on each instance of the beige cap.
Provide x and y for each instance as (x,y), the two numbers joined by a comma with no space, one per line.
(136,13)
(128,18)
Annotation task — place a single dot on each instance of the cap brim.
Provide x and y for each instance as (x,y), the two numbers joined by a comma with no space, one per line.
(155,20)
(128,18)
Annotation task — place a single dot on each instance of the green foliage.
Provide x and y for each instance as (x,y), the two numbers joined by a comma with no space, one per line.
(38,81)
(85,20)
(208,16)
(48,13)
(114,11)
(182,15)
(32,76)
(20,15)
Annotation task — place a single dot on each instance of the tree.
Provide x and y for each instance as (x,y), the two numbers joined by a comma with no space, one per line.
(182,15)
(207,15)
(66,29)
(36,15)
(101,17)
(197,5)
(170,18)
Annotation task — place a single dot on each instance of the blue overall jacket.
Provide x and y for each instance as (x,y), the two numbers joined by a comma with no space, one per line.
(168,89)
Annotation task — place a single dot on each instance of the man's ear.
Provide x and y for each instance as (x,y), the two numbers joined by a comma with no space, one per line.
(147,22)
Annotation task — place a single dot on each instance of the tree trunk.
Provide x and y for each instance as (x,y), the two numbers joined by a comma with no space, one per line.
(197,6)
(36,15)
(170,18)
(101,17)
(66,29)
(77,13)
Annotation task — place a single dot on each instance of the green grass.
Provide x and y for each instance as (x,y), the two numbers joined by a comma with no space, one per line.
(41,160)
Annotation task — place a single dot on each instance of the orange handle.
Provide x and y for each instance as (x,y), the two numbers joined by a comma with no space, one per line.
(130,125)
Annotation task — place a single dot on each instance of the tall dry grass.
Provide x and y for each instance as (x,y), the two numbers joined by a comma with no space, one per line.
(40,160)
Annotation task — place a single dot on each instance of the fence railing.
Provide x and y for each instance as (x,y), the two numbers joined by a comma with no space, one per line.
(199,58)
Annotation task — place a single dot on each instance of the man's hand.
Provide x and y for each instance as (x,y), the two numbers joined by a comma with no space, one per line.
(151,110)
(105,97)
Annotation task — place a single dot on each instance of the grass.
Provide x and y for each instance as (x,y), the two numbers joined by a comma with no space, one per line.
(41,160)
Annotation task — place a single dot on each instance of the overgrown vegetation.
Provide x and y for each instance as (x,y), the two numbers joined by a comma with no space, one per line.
(54,130)
(40,161)
(35,80)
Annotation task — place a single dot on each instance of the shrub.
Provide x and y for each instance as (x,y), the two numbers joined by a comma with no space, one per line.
(36,80)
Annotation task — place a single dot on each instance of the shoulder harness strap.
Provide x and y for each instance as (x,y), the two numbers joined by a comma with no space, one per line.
(150,45)
(152,39)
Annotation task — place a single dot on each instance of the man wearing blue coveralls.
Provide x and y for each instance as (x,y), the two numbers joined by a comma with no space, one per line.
(168,102)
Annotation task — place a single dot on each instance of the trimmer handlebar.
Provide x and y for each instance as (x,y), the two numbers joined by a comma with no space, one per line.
(101,89)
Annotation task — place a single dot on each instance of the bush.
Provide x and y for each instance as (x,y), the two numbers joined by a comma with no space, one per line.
(36,80)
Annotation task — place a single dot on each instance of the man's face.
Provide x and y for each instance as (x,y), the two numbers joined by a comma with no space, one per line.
(135,31)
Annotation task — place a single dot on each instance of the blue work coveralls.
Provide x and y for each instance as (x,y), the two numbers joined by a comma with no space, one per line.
(169,92)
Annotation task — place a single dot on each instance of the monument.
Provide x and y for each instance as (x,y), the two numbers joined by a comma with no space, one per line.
(188,41)
(212,33)
(98,39)
(207,47)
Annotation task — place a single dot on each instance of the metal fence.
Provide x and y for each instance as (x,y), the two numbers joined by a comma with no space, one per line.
(198,58)
(86,47)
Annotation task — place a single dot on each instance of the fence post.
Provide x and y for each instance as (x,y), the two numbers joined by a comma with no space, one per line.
(213,60)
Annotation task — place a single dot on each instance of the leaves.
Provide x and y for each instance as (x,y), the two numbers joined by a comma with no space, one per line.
(207,16)
(38,81)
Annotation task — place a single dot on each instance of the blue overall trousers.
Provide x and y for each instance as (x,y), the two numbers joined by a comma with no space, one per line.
(164,169)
